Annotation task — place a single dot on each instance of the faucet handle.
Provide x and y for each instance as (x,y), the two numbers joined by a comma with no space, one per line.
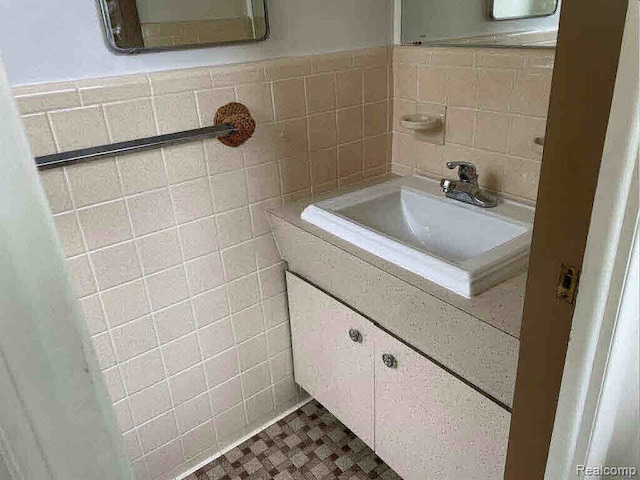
(466,171)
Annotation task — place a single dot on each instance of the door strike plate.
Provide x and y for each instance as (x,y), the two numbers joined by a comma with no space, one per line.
(568,283)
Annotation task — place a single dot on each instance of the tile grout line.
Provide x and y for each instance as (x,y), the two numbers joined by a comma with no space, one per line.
(179,302)
(147,297)
(233,332)
(108,331)
(182,266)
(170,228)
(197,329)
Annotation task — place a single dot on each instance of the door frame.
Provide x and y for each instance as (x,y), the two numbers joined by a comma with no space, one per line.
(589,135)
(598,317)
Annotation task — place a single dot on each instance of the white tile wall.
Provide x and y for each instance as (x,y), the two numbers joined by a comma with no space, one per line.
(172,256)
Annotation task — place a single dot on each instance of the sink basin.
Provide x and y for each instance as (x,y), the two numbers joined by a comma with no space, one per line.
(409,222)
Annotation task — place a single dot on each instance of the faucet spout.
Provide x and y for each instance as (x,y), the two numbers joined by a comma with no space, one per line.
(466,189)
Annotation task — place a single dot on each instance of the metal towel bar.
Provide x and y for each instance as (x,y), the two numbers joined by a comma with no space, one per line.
(131,146)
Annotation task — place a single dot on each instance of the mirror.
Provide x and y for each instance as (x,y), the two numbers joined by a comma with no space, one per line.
(492,23)
(510,9)
(137,26)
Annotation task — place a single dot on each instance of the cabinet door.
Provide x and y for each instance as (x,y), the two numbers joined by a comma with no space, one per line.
(430,425)
(336,369)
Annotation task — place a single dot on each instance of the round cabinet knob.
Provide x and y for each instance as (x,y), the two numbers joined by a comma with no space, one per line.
(355,335)
(389,360)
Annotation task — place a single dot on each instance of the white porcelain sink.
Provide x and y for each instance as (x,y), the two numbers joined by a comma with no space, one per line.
(409,222)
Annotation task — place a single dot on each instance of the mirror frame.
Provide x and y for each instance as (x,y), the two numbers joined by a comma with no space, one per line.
(492,16)
(112,45)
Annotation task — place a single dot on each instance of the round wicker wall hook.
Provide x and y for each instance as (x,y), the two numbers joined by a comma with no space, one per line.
(237,115)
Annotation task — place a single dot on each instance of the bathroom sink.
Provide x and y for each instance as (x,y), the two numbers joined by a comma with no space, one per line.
(409,222)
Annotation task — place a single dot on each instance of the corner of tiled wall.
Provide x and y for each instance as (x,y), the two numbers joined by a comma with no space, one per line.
(170,251)
(496,103)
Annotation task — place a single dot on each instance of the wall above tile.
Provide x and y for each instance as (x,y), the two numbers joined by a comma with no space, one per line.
(298,27)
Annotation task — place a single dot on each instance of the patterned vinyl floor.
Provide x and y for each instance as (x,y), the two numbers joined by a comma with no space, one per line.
(308,444)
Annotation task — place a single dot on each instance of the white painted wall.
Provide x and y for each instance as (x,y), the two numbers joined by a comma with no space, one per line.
(438,19)
(63,40)
(182,10)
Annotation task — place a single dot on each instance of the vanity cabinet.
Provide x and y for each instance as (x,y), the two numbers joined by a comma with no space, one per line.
(333,355)
(420,419)
(429,424)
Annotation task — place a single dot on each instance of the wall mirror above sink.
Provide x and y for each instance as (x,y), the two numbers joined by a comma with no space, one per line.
(491,23)
(520,9)
(139,26)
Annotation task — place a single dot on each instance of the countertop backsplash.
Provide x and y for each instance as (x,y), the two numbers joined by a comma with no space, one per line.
(496,101)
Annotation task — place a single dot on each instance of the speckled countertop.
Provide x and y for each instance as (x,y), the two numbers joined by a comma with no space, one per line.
(500,306)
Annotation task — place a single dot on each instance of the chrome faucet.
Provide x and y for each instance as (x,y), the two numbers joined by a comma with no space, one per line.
(466,189)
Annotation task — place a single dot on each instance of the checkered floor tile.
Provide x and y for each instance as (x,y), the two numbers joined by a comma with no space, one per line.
(308,444)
